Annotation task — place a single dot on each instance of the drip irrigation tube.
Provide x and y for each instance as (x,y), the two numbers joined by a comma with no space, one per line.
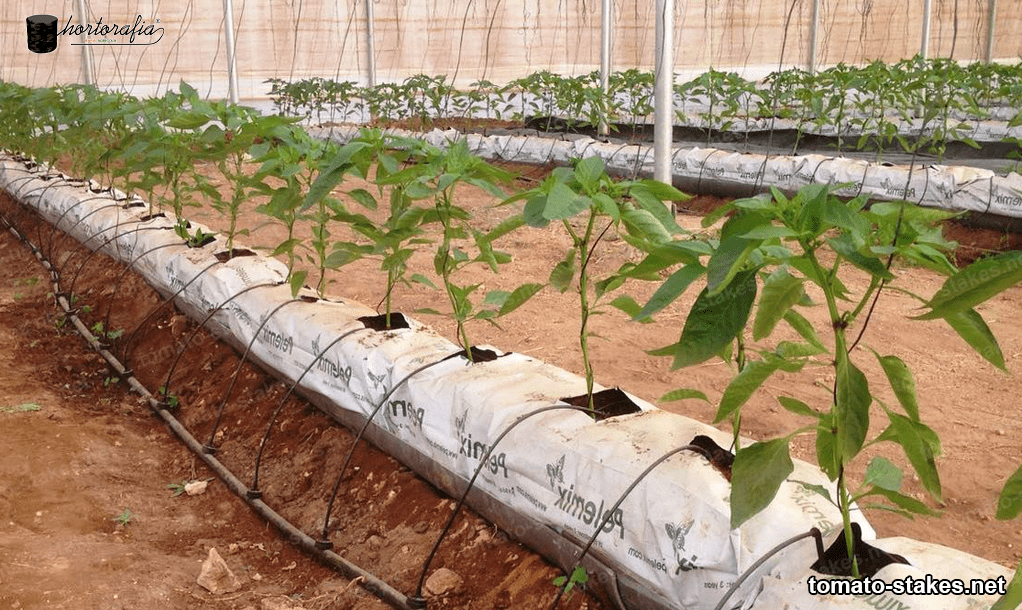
(340,474)
(124,273)
(208,447)
(368,581)
(255,491)
(195,331)
(483,461)
(609,514)
(127,344)
(813,533)
(74,280)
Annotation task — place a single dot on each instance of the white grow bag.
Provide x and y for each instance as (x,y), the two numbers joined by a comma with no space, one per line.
(949,187)
(549,483)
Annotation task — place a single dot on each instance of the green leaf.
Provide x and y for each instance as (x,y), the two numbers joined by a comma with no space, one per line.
(882,473)
(853,401)
(818,489)
(518,297)
(563,272)
(714,322)
(563,203)
(870,264)
(902,382)
(827,446)
(726,262)
(840,215)
(916,439)
(643,224)
(804,328)
(781,291)
(743,385)
(671,289)
(769,232)
(588,172)
(418,278)
(797,407)
(1012,599)
(297,280)
(756,475)
(902,501)
(975,284)
(630,308)
(683,394)
(1009,505)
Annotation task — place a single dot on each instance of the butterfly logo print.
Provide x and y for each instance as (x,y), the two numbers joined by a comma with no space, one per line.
(677,535)
(555,472)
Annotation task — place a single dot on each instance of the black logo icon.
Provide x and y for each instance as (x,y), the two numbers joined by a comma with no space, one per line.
(42,33)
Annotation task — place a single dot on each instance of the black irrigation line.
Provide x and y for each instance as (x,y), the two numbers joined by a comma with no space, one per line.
(255,492)
(209,447)
(324,540)
(127,344)
(367,580)
(471,482)
(94,235)
(813,533)
(115,237)
(610,512)
(124,273)
(55,227)
(165,388)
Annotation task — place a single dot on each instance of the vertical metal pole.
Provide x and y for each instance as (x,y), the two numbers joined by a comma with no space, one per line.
(370,44)
(663,99)
(83,14)
(814,31)
(232,68)
(991,21)
(606,21)
(924,46)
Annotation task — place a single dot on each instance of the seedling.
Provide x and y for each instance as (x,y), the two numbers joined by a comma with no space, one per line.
(579,577)
(125,517)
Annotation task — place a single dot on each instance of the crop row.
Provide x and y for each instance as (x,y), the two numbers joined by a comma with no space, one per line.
(873,107)
(756,272)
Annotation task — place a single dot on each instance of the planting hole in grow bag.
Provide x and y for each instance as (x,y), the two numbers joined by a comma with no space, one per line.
(225,256)
(136,204)
(149,217)
(482,355)
(869,558)
(720,458)
(606,403)
(379,323)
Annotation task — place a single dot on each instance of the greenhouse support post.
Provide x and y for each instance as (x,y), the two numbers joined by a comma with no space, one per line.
(991,22)
(663,61)
(370,45)
(606,20)
(814,33)
(232,68)
(924,45)
(86,49)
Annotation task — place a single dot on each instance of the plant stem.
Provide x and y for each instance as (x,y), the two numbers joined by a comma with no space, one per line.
(583,298)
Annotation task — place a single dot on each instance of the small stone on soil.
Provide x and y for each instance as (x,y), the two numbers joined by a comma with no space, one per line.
(279,603)
(443,582)
(196,488)
(216,577)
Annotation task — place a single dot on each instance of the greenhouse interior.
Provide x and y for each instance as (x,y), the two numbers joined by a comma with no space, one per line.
(605,304)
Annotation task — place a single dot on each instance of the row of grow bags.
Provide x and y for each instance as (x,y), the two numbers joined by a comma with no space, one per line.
(557,478)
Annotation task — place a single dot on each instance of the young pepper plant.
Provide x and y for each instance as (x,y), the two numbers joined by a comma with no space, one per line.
(604,205)
(437,176)
(752,246)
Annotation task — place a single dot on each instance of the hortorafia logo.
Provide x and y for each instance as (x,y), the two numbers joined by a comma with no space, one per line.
(43,32)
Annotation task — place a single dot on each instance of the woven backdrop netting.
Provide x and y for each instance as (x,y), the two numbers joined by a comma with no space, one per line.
(497,40)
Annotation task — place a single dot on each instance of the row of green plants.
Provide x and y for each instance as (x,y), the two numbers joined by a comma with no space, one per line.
(942,97)
(753,277)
